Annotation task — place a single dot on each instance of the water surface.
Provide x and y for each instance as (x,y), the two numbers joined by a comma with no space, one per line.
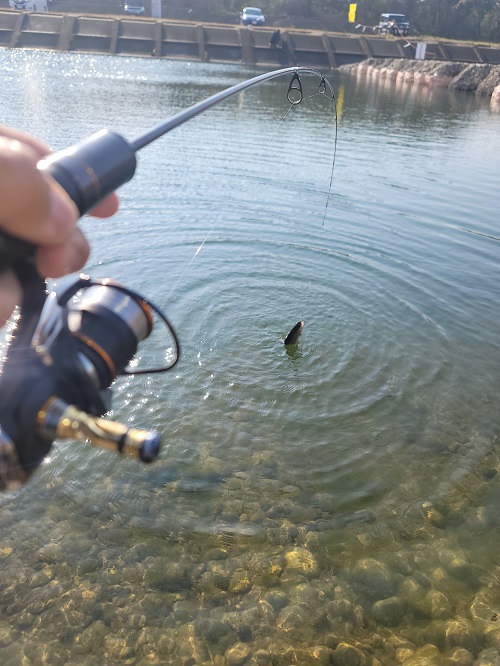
(344,491)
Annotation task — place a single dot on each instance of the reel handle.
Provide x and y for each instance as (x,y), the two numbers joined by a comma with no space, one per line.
(58,420)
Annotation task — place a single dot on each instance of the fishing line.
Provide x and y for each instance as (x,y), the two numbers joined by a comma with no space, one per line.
(332,99)
(224,209)
(293,88)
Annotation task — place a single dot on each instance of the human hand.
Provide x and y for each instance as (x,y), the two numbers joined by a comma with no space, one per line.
(34,207)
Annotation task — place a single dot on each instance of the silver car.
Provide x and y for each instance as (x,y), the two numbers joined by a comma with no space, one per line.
(135,8)
(252,16)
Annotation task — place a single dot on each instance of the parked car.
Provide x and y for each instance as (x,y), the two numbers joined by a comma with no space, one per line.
(135,8)
(252,16)
(395,24)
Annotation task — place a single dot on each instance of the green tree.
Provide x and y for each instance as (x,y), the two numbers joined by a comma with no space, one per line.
(473,17)
(457,19)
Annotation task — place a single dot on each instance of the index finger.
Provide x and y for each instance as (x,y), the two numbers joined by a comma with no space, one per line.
(107,207)
(39,147)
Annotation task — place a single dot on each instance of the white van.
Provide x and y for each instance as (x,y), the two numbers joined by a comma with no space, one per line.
(29,5)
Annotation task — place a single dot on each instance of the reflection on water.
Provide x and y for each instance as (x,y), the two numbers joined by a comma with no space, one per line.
(338,504)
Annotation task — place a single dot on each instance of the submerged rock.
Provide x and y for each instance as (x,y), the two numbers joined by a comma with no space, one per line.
(348,655)
(170,576)
(7,636)
(324,502)
(434,516)
(428,655)
(278,600)
(301,560)
(459,657)
(375,577)
(389,612)
(240,582)
(437,605)
(488,657)
(461,633)
(237,655)
(486,606)
(459,568)
(292,618)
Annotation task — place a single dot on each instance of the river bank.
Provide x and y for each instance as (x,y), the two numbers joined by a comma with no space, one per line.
(482,79)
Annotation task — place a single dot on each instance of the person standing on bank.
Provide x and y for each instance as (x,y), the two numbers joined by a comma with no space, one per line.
(275,41)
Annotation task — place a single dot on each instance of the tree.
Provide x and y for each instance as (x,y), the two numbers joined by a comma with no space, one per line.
(457,19)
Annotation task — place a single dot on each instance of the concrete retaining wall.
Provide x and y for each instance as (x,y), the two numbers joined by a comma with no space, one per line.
(483,79)
(213,42)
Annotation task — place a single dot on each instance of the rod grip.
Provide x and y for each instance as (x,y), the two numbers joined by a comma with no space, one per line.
(92,169)
(88,172)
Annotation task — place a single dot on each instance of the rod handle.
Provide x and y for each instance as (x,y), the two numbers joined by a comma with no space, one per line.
(93,168)
(88,172)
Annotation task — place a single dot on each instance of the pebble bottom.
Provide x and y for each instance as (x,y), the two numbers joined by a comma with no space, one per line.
(247,566)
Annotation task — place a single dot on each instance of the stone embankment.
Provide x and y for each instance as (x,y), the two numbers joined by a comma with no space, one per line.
(482,79)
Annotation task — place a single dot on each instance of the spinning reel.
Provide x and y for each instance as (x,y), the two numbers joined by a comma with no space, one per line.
(62,359)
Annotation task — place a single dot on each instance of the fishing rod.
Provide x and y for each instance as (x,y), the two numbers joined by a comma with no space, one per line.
(97,166)
(65,352)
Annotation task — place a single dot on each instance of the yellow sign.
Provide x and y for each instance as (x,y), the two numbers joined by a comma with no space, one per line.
(352,13)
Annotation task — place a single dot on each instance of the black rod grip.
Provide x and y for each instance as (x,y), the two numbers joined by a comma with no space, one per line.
(88,172)
(92,169)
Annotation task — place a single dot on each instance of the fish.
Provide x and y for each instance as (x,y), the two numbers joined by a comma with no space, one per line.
(293,337)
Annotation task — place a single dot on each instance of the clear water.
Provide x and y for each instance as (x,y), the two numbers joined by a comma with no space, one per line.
(282,473)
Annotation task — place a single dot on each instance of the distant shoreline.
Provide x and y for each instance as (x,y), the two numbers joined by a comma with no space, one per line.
(481,79)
